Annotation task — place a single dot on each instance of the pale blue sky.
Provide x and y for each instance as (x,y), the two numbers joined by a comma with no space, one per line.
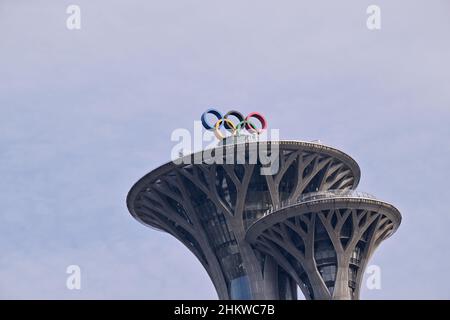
(84,114)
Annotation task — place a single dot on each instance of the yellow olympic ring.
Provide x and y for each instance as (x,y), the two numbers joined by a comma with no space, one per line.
(219,135)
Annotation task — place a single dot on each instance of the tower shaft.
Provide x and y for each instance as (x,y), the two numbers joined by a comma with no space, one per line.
(259,235)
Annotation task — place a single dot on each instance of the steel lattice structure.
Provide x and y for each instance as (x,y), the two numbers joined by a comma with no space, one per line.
(260,236)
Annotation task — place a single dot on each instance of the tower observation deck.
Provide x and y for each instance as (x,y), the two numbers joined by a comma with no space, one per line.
(262,236)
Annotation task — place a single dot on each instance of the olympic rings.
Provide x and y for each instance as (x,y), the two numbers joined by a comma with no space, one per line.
(229,125)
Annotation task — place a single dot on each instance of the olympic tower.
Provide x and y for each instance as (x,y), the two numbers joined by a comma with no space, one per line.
(260,236)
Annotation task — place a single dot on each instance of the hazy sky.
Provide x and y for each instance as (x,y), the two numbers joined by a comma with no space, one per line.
(85,113)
